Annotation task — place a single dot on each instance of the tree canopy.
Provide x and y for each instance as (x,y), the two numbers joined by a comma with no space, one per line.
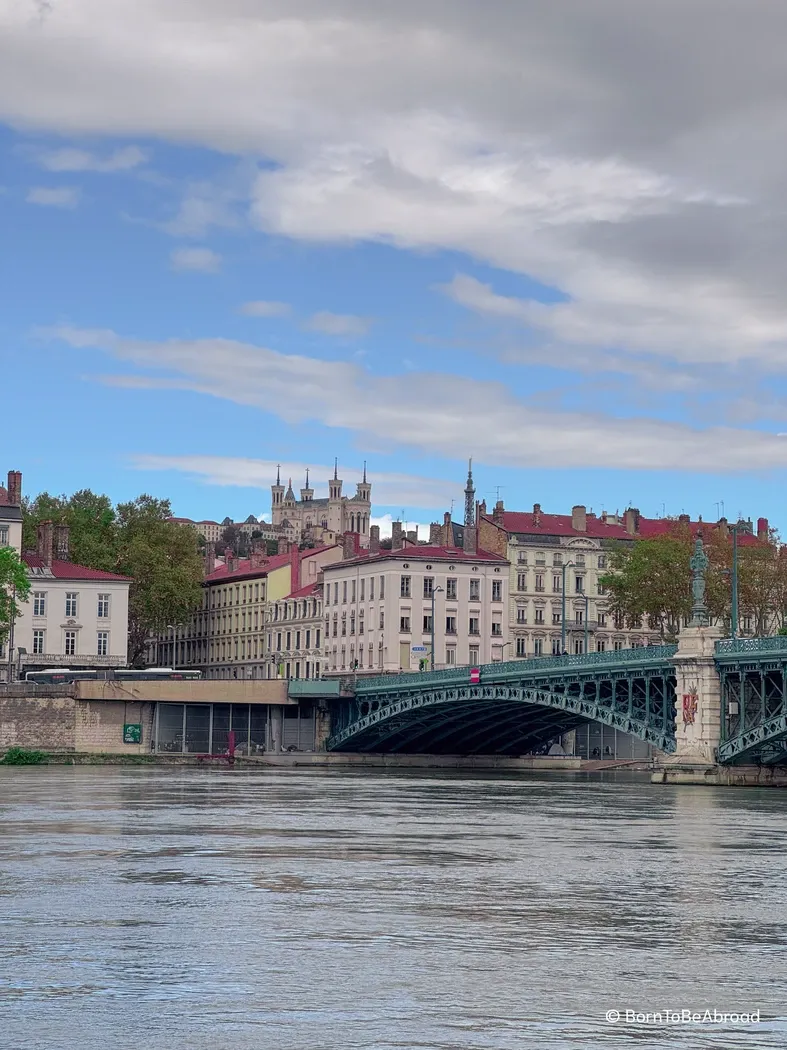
(14,587)
(133,539)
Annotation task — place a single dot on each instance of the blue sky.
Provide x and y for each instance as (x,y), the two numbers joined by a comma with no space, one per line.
(277,234)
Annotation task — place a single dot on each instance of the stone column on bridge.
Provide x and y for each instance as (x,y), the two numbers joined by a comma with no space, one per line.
(698,685)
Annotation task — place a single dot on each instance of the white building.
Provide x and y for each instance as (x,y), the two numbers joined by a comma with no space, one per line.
(379,605)
(75,616)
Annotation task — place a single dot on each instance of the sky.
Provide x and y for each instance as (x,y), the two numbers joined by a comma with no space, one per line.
(242,233)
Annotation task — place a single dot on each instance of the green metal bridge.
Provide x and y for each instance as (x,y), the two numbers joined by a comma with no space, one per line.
(516,707)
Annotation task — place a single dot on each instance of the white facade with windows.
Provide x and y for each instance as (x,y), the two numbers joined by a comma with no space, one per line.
(294,627)
(378,610)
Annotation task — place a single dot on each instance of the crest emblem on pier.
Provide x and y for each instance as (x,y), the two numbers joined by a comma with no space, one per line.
(689,708)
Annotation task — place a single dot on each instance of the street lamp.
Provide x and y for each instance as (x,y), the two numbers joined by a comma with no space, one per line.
(734,610)
(503,648)
(435,590)
(566,565)
(587,613)
(173,627)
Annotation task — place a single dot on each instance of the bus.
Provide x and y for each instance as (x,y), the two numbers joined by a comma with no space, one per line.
(64,675)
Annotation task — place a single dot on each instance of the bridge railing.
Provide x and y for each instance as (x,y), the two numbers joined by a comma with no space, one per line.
(622,659)
(738,646)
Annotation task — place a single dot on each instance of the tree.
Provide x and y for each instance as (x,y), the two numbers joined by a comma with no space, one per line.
(92,525)
(235,539)
(651,578)
(14,587)
(163,559)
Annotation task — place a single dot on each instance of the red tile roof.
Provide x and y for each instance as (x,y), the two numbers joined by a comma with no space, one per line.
(597,528)
(66,570)
(245,567)
(423,553)
(304,592)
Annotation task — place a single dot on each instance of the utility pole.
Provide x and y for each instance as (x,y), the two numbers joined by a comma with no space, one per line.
(435,590)
(566,565)
(734,610)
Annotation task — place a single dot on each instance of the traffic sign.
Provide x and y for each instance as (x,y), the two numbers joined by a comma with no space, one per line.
(475,675)
(419,648)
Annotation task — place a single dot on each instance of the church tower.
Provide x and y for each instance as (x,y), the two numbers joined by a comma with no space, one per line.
(364,492)
(307,494)
(277,495)
(289,498)
(335,484)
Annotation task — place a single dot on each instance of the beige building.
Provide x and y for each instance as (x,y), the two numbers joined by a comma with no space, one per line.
(318,518)
(379,607)
(294,626)
(75,616)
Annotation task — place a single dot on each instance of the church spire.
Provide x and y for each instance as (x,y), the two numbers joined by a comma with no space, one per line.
(364,472)
(469,496)
(336,469)
(278,473)
(307,477)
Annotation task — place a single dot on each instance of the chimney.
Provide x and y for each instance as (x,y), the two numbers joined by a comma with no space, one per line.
(348,546)
(396,536)
(579,519)
(412,536)
(210,558)
(14,488)
(283,546)
(434,534)
(62,543)
(295,568)
(631,520)
(763,531)
(44,542)
(374,539)
(724,528)
(470,540)
(536,513)
(684,519)
(497,513)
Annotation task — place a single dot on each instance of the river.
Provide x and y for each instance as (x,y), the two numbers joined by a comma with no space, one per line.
(194,909)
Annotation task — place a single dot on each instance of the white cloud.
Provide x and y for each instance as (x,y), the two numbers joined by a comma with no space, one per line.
(69,159)
(430,412)
(388,489)
(202,260)
(53,196)
(339,324)
(265,308)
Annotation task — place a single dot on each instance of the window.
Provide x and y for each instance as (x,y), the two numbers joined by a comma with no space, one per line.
(522,558)
(556,647)
(344,624)
(579,617)
(382,621)
(352,622)
(541,558)
(317,638)
(601,645)
(344,593)
(521,581)
(39,603)
(521,614)
(428,586)
(602,561)
(3,535)
(297,639)
(539,581)
(539,615)
(450,625)
(474,625)
(557,559)
(71,604)
(382,587)
(336,593)
(360,622)
(617,645)
(555,618)
(497,630)
(538,647)
(580,560)
(352,595)
(579,646)
(289,640)
(556,584)
(404,624)
(747,624)
(580,584)
(363,589)
(427,623)
(521,646)
(600,588)
(475,590)
(497,590)
(602,619)
(371,588)
(474,655)
(102,643)
(39,642)
(619,621)
(404,587)
(335,624)
(450,656)
(70,643)
(278,642)
(450,589)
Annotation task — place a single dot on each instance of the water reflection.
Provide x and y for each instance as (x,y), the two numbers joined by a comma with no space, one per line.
(214,908)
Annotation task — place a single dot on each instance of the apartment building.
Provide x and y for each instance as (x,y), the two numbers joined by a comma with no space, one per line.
(294,626)
(383,608)
(75,616)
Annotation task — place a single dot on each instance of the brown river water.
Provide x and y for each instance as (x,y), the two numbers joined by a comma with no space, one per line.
(214,909)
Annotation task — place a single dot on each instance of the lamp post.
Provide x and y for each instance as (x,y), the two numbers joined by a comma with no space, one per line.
(734,609)
(435,590)
(566,565)
(587,613)
(503,648)
(173,627)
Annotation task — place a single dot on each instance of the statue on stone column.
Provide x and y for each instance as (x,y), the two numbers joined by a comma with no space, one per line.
(699,567)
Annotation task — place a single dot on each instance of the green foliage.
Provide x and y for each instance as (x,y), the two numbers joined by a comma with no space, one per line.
(20,756)
(133,539)
(163,559)
(14,587)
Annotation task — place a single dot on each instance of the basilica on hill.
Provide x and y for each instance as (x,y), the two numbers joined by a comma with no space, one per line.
(333,514)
